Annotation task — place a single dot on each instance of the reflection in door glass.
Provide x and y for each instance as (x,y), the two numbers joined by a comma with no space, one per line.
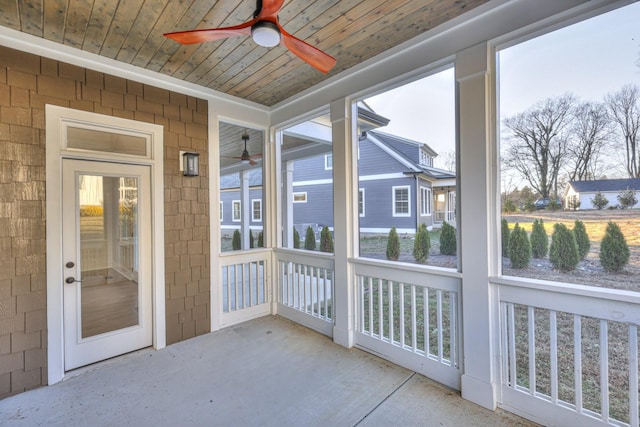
(108,253)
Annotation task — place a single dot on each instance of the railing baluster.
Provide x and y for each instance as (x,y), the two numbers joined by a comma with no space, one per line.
(453,326)
(380,311)
(370,290)
(427,326)
(316,304)
(235,285)
(512,345)
(577,359)
(439,318)
(633,375)
(401,299)
(604,369)
(360,280)
(553,342)
(414,340)
(531,328)
(391,315)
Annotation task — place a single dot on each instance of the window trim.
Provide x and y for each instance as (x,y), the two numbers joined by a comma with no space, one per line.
(221,209)
(394,189)
(293,197)
(253,210)
(361,193)
(428,198)
(328,164)
(233,210)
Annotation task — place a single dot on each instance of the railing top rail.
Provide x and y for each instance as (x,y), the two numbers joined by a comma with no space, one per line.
(238,257)
(315,259)
(435,278)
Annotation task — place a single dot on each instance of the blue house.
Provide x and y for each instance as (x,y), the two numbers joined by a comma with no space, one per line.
(398,183)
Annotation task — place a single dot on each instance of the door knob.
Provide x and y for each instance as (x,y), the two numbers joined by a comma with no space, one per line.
(72,280)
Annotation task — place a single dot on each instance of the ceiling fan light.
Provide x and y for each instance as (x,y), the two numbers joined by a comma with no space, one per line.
(265,33)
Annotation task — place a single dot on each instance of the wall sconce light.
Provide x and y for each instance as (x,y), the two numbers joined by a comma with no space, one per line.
(190,164)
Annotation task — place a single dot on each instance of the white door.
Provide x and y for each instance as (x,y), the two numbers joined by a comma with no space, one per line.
(106,225)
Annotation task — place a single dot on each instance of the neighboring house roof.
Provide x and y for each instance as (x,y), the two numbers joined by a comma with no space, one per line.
(407,151)
(233,180)
(605,185)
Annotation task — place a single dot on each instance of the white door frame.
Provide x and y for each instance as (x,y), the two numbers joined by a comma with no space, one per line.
(57,121)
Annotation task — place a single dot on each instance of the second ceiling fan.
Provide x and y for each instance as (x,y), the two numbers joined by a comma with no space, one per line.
(266,31)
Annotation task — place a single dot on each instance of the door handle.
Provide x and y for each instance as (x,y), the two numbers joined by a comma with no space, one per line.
(72,280)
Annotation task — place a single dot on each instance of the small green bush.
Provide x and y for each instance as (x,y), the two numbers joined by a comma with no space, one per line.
(310,240)
(530,205)
(599,201)
(237,241)
(539,240)
(519,247)
(582,239)
(393,245)
(260,240)
(509,206)
(296,239)
(422,244)
(448,244)
(614,251)
(627,198)
(326,240)
(251,240)
(563,252)
(505,237)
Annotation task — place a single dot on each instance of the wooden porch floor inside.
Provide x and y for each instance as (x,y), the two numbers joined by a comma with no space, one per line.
(266,372)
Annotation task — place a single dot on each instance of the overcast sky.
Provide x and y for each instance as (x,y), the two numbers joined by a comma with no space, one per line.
(590,59)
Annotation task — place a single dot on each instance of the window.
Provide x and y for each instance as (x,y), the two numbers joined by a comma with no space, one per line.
(221,208)
(328,162)
(425,201)
(425,159)
(300,197)
(361,202)
(401,202)
(237,211)
(256,211)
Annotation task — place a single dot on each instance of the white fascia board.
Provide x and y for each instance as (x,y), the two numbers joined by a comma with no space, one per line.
(449,182)
(392,153)
(311,131)
(231,106)
(434,49)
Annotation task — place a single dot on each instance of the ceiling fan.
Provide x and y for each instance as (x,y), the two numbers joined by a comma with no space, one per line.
(266,31)
(245,158)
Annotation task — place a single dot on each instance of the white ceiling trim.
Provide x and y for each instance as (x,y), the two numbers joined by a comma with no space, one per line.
(28,43)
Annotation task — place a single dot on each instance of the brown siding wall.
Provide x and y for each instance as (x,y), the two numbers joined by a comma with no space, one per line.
(27,83)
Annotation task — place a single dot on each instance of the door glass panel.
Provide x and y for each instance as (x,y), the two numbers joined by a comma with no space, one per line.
(108,253)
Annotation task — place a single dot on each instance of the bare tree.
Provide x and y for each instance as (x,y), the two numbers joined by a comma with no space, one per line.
(447,161)
(624,106)
(590,132)
(538,142)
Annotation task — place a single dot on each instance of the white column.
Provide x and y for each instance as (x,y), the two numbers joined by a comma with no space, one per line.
(287,208)
(245,208)
(345,218)
(475,92)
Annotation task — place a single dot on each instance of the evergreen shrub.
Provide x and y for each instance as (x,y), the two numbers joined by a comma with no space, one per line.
(539,240)
(448,243)
(422,244)
(582,239)
(563,252)
(393,245)
(614,251)
(505,237)
(310,240)
(260,240)
(519,247)
(236,243)
(326,240)
(296,239)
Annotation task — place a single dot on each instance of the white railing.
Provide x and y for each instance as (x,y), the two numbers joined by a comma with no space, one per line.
(306,286)
(413,322)
(244,280)
(570,351)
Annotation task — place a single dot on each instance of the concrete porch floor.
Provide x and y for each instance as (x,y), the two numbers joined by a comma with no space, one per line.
(266,372)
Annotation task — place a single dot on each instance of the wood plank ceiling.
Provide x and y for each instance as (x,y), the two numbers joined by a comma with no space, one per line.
(131,32)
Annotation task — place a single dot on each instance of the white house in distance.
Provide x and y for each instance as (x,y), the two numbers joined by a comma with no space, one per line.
(585,191)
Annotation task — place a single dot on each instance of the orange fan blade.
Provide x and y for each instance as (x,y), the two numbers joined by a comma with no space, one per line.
(199,36)
(270,8)
(309,54)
